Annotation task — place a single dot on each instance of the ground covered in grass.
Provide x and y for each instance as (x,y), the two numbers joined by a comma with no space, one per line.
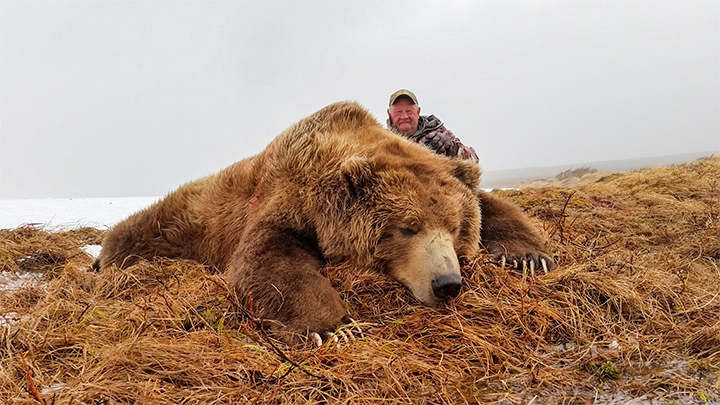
(632,313)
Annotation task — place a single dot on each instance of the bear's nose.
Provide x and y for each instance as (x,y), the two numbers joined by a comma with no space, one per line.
(447,286)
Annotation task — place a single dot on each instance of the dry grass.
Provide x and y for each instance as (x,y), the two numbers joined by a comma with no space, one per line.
(634,306)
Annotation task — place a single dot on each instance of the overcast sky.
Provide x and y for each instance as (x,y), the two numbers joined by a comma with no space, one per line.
(134,98)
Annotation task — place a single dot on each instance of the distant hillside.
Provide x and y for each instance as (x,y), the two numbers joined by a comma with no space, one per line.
(516,177)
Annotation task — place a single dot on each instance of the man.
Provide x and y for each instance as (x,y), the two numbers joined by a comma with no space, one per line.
(404,118)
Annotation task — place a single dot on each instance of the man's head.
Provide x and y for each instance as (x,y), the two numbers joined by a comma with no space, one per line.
(404,111)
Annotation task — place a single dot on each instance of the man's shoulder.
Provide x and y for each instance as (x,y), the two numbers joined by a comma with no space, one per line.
(430,119)
(430,123)
(433,134)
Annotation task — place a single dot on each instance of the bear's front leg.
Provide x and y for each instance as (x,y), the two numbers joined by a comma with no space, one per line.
(275,274)
(508,237)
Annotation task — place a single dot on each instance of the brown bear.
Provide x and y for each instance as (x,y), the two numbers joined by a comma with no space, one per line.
(334,188)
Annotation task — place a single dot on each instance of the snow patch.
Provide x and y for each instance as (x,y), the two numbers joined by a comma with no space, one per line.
(9,318)
(12,281)
(70,213)
(92,250)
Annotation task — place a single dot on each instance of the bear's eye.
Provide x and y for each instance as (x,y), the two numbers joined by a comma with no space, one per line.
(408,232)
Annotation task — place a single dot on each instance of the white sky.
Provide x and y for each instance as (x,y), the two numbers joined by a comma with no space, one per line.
(134,98)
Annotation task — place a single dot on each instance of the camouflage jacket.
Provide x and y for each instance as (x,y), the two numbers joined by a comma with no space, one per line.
(432,133)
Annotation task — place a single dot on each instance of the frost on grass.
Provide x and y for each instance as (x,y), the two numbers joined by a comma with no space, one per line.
(12,281)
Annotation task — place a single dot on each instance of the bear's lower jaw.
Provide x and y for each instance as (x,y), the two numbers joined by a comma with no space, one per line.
(427,296)
(447,302)
(431,300)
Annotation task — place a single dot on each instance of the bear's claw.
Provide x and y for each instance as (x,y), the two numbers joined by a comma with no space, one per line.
(528,263)
(348,332)
(316,338)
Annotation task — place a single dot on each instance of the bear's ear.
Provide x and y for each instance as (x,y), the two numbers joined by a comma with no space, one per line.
(359,173)
(468,172)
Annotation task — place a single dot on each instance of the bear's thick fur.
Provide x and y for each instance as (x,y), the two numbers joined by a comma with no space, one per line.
(334,188)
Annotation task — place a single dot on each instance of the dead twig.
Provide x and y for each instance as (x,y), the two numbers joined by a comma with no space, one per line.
(32,388)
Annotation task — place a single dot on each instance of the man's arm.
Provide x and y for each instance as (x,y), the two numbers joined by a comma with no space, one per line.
(444,142)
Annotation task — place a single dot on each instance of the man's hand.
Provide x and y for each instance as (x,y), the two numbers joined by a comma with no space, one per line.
(441,143)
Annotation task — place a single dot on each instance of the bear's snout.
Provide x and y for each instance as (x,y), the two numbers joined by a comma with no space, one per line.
(446,286)
(431,270)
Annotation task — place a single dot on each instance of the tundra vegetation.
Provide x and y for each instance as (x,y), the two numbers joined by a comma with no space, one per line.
(633,308)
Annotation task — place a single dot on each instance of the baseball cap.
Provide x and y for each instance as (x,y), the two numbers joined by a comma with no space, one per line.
(401,93)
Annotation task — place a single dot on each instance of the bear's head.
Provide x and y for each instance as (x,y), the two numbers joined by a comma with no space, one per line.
(406,212)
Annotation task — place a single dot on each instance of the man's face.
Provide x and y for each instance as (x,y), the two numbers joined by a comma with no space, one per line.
(404,115)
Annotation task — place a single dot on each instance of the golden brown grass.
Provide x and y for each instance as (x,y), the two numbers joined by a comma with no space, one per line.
(634,306)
